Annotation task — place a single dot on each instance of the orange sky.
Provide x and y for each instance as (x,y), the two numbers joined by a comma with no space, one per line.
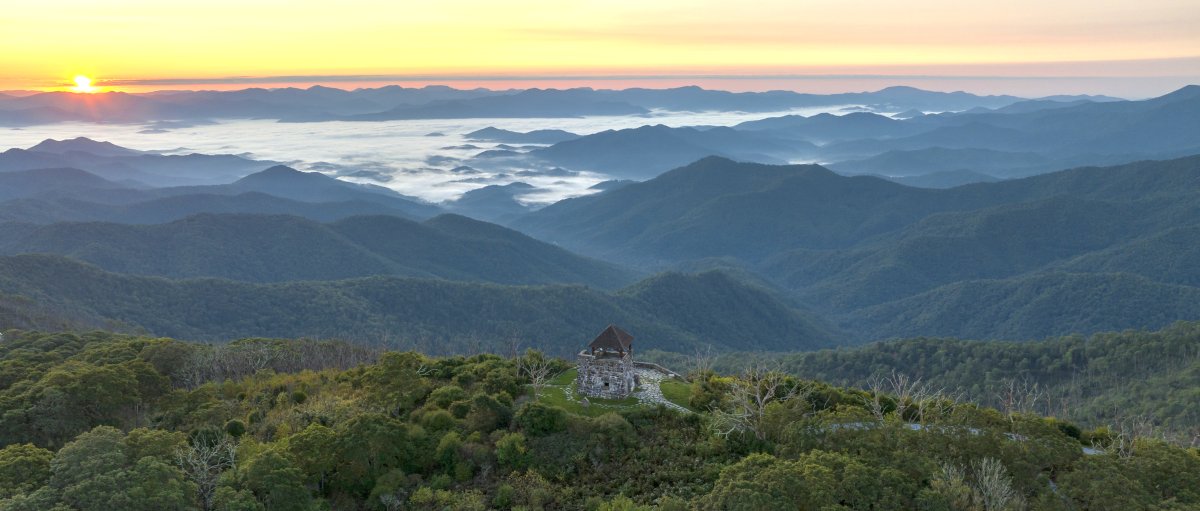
(157,44)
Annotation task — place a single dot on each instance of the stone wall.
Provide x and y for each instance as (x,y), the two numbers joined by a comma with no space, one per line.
(609,376)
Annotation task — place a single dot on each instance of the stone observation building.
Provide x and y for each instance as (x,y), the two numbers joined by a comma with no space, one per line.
(606,366)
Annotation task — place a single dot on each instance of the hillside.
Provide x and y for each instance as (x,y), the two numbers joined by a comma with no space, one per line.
(272,248)
(47,210)
(120,164)
(119,417)
(648,151)
(51,181)
(1033,306)
(939,159)
(991,243)
(826,128)
(716,207)
(288,183)
(1104,378)
(420,313)
(872,253)
(493,134)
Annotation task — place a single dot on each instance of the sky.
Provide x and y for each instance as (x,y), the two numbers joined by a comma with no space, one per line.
(1125,48)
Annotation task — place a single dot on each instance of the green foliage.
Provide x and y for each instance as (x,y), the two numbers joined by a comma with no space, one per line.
(23,469)
(443,396)
(538,419)
(98,471)
(383,435)
(229,499)
(511,452)
(1093,380)
(277,483)
(235,428)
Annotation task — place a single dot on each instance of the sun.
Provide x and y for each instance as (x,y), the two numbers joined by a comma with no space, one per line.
(83,84)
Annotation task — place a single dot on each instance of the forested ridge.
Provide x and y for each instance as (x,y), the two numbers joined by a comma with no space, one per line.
(104,421)
(1147,379)
(280,248)
(670,311)
(1081,250)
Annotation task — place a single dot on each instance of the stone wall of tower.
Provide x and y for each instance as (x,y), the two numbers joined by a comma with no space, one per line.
(609,377)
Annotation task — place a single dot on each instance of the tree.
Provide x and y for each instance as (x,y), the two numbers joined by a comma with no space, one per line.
(538,419)
(701,360)
(203,463)
(226,498)
(313,451)
(535,366)
(750,395)
(397,382)
(986,487)
(23,469)
(95,472)
(97,454)
(152,485)
(277,483)
(511,452)
(369,446)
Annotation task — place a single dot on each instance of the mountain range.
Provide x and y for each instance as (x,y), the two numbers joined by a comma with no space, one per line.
(320,103)
(888,260)
(951,148)
(278,248)
(848,249)
(672,311)
(45,195)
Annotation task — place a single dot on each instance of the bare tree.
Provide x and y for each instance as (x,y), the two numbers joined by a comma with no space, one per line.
(748,398)
(203,463)
(988,489)
(909,391)
(1019,396)
(535,366)
(1127,433)
(702,359)
(514,347)
(938,405)
(993,487)
(874,398)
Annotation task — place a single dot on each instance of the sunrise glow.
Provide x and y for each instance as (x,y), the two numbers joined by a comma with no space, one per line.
(83,84)
(144,46)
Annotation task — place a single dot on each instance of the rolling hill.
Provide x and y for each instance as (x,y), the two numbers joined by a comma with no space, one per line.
(422,313)
(889,260)
(130,167)
(274,248)
(645,152)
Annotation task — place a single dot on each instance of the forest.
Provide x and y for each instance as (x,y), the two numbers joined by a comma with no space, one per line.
(1142,379)
(112,421)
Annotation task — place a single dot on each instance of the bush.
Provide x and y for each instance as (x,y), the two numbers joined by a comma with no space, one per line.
(511,452)
(235,428)
(538,419)
(438,420)
(442,397)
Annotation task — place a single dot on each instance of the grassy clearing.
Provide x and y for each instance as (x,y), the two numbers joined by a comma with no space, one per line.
(560,392)
(565,398)
(565,378)
(675,391)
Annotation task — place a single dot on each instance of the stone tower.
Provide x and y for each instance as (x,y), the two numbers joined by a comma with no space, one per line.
(606,366)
